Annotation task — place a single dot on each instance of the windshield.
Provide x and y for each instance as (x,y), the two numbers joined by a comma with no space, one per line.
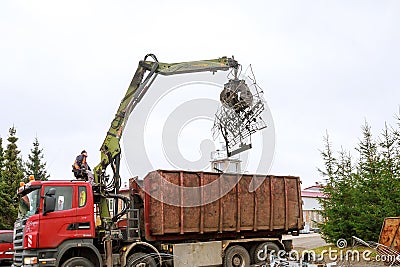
(6,238)
(29,204)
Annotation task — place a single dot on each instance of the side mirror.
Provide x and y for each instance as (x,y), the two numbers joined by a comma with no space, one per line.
(49,201)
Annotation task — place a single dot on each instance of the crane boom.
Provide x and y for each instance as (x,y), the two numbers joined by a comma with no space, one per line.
(110,149)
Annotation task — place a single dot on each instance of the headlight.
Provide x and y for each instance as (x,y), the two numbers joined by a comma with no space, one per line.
(30,260)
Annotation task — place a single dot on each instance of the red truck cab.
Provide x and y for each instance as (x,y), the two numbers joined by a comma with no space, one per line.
(41,235)
(6,247)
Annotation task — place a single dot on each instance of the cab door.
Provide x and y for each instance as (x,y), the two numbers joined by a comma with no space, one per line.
(59,225)
(85,226)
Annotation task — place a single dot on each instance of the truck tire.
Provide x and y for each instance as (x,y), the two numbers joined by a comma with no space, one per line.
(236,256)
(140,257)
(254,251)
(77,261)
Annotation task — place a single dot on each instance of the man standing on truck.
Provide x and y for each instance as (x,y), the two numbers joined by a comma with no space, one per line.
(80,166)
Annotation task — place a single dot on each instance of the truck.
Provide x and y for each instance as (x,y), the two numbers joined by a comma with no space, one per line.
(60,227)
(80,222)
(6,247)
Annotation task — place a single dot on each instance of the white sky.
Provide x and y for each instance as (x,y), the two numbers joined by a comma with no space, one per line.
(324,65)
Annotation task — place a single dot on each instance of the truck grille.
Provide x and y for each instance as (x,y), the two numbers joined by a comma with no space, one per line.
(18,241)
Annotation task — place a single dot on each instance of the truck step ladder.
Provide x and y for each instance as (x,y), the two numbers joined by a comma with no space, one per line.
(133,223)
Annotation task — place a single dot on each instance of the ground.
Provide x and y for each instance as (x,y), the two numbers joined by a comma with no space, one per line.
(313,241)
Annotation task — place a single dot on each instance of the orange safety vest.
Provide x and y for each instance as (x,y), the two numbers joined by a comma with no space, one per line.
(83,163)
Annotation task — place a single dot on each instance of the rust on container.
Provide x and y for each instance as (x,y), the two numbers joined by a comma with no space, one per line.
(244,211)
(271,214)
(390,235)
(286,205)
(220,209)
(238,197)
(202,206)
(255,206)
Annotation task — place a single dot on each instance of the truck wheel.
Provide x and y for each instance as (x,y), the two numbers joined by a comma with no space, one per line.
(258,253)
(140,258)
(77,261)
(236,256)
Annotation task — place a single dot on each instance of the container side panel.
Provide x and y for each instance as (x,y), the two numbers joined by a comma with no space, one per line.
(153,206)
(293,205)
(278,195)
(191,199)
(164,218)
(229,203)
(264,205)
(172,213)
(246,204)
(231,207)
(211,210)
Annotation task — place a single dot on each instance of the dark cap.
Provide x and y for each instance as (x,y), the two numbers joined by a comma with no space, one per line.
(83,151)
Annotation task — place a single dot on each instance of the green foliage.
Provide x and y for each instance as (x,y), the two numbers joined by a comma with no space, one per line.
(11,174)
(361,192)
(8,212)
(1,155)
(35,165)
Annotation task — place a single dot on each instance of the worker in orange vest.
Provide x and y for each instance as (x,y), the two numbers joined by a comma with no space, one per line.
(80,166)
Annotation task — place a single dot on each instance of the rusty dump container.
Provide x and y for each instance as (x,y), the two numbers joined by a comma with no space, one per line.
(390,235)
(181,205)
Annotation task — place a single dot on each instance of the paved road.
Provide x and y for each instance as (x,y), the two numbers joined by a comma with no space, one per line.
(306,241)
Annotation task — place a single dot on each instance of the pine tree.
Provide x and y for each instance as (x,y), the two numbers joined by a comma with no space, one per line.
(11,175)
(389,195)
(329,161)
(8,212)
(35,165)
(361,194)
(369,175)
(4,198)
(338,207)
(1,155)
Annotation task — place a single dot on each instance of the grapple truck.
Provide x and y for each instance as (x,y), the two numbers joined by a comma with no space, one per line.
(59,229)
(72,223)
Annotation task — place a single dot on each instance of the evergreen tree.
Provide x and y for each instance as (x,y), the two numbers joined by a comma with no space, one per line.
(1,156)
(369,174)
(11,175)
(361,194)
(389,195)
(8,212)
(35,165)
(4,198)
(339,187)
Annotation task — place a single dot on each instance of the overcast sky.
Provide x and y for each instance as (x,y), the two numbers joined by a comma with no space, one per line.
(324,66)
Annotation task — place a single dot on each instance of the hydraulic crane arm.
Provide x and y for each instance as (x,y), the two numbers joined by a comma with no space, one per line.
(144,76)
